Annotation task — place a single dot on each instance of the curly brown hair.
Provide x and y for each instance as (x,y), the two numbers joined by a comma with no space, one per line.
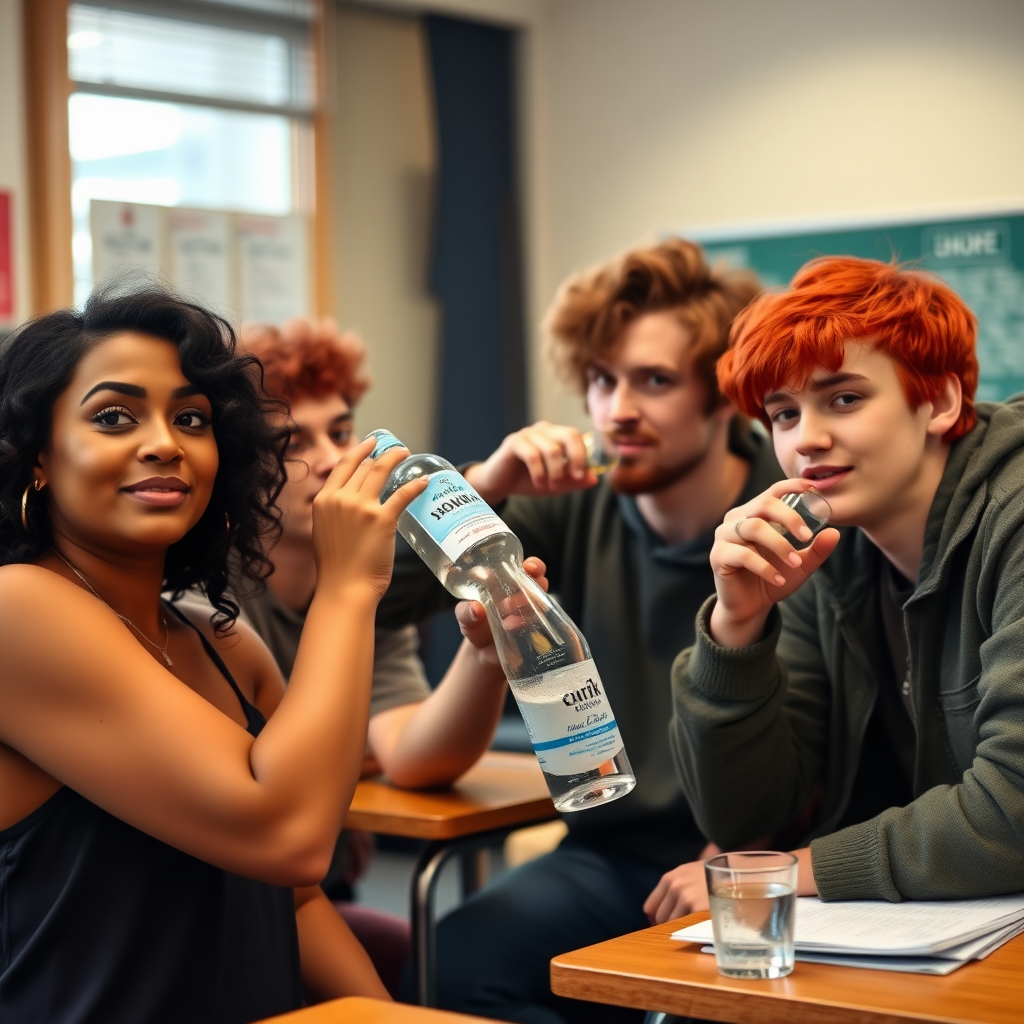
(592,309)
(307,359)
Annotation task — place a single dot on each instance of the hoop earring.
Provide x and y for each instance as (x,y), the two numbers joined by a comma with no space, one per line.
(34,485)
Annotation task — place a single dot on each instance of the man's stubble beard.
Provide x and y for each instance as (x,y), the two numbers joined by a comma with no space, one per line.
(634,480)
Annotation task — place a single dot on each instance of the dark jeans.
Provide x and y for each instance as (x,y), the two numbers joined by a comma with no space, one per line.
(494,950)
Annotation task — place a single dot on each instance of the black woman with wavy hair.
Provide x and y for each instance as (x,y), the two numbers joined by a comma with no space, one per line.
(162,837)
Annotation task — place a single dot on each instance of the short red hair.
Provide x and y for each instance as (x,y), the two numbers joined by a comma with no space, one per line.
(307,359)
(912,317)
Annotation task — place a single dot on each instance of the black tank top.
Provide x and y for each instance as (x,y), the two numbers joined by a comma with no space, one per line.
(101,923)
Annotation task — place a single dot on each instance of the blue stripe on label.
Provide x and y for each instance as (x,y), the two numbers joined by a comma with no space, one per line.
(575,737)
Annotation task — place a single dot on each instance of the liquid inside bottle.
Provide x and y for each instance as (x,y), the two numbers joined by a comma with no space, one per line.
(544,656)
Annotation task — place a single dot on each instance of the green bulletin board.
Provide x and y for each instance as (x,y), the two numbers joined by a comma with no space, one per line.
(982,259)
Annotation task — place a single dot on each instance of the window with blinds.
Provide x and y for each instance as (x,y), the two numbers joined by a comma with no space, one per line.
(202,103)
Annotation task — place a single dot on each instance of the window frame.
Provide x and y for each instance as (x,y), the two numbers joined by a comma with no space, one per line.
(49,87)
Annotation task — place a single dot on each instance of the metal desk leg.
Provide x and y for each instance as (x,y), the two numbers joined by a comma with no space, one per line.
(424,938)
(474,851)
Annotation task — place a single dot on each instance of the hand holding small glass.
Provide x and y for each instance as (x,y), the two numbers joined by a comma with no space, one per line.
(763,552)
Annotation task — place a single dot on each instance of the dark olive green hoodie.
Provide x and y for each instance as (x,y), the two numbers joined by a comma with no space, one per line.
(755,730)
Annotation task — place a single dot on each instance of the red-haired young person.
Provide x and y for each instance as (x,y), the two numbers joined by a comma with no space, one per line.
(875,676)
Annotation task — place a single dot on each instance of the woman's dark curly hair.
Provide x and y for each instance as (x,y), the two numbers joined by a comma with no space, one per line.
(242,521)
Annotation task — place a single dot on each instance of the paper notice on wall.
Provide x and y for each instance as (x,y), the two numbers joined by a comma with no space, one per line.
(125,235)
(200,255)
(6,259)
(273,254)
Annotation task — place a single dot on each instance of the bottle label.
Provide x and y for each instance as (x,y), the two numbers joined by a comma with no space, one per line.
(569,719)
(454,515)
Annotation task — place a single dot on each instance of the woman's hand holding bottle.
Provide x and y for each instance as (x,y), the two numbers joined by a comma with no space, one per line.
(755,567)
(353,533)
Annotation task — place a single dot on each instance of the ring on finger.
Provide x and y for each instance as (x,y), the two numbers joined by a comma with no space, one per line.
(736,526)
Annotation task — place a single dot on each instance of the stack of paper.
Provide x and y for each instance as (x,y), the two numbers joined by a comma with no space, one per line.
(924,937)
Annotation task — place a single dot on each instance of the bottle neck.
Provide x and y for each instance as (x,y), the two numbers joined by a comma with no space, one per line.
(497,580)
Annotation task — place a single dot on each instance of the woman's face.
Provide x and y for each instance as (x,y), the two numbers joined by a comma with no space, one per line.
(131,460)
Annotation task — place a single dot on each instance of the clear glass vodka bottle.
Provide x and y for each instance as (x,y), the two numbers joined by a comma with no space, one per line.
(545,657)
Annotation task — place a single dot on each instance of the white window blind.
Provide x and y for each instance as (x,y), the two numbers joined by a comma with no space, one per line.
(196,103)
(240,60)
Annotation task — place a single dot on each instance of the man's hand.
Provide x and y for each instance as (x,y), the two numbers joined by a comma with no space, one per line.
(473,622)
(544,458)
(805,883)
(681,891)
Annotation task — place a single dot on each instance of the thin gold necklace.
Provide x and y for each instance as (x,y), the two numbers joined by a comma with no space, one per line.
(124,618)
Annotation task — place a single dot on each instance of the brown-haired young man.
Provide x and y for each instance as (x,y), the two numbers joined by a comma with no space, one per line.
(628,558)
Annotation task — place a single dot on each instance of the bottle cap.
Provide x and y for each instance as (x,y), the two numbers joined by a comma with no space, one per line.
(385,442)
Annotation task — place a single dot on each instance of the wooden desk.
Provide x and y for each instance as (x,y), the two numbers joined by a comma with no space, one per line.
(370,1011)
(647,970)
(501,792)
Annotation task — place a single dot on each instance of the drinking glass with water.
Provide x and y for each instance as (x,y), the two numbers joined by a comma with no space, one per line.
(753,912)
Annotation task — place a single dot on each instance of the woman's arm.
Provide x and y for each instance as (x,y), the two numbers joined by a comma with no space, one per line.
(83,701)
(333,962)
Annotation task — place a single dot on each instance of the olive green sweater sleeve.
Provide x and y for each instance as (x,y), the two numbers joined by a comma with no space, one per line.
(748,733)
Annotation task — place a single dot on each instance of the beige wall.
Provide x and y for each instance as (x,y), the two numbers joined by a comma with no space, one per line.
(650,115)
(385,166)
(641,116)
(13,174)
(644,116)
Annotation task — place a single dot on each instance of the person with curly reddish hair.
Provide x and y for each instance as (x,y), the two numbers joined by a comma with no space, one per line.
(417,737)
(638,337)
(874,675)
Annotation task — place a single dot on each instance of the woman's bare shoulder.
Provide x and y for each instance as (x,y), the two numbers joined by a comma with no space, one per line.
(21,573)
(39,606)
(22,585)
